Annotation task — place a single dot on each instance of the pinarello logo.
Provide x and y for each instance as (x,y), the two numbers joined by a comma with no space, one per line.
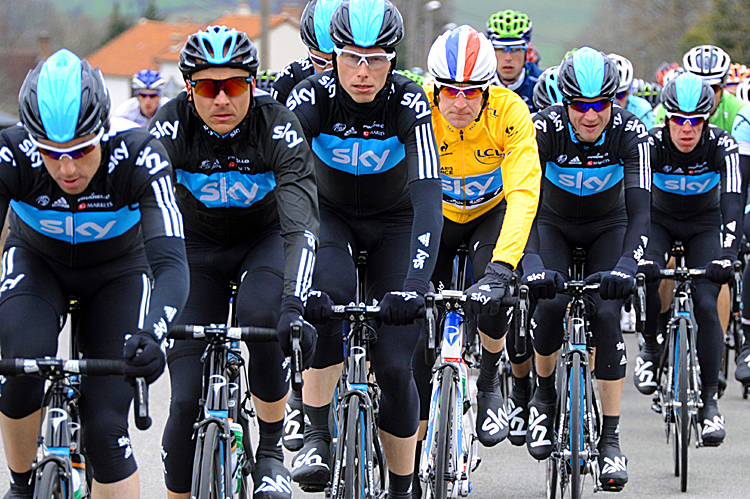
(365,133)
(232,164)
(82,206)
(590,163)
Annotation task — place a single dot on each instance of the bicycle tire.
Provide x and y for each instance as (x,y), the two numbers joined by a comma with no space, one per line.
(575,427)
(551,478)
(683,398)
(207,480)
(48,484)
(444,435)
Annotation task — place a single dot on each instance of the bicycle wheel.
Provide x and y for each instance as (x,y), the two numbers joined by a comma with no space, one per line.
(551,478)
(207,466)
(48,484)
(575,428)
(684,412)
(444,435)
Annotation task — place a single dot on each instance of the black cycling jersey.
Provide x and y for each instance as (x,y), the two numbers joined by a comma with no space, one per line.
(525,87)
(258,175)
(128,201)
(688,185)
(376,159)
(584,182)
(288,78)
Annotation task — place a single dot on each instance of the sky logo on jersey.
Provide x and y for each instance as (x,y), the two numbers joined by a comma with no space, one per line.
(474,187)
(488,156)
(584,181)
(227,189)
(687,185)
(359,156)
(76,228)
(7,156)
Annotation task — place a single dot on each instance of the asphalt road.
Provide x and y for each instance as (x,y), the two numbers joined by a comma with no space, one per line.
(508,471)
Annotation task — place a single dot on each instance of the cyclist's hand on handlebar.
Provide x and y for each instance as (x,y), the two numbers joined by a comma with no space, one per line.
(319,307)
(401,308)
(720,271)
(486,296)
(617,283)
(291,310)
(650,270)
(544,284)
(144,357)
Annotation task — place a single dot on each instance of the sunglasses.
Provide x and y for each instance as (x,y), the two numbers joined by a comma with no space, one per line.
(452,92)
(231,86)
(681,119)
(319,61)
(512,49)
(354,59)
(583,107)
(149,96)
(75,152)
(621,95)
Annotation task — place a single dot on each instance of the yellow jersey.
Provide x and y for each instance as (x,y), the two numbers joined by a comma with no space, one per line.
(491,159)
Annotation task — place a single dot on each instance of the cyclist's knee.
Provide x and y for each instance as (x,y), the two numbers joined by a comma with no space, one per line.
(495,326)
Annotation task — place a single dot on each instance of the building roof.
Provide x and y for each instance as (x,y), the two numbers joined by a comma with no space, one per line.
(149,43)
(141,47)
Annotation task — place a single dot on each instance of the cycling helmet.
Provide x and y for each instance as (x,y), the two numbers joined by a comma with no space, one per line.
(509,27)
(743,90)
(737,73)
(688,93)
(147,79)
(462,55)
(218,46)
(671,75)
(709,62)
(646,90)
(626,72)
(663,69)
(63,98)
(265,79)
(315,24)
(588,73)
(367,23)
(533,55)
(569,53)
(546,92)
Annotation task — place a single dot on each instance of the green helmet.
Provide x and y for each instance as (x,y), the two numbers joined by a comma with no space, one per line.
(507,26)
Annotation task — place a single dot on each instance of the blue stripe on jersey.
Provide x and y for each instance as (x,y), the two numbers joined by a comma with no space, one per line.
(359,156)
(80,227)
(584,181)
(475,186)
(227,189)
(686,185)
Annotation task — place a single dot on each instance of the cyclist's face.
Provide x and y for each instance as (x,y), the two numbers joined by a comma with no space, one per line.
(459,112)
(685,137)
(362,82)
(73,175)
(221,113)
(589,125)
(510,64)
(319,57)
(149,102)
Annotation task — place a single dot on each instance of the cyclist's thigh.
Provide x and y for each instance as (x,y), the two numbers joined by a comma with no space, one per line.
(703,247)
(452,235)
(32,307)
(659,244)
(258,304)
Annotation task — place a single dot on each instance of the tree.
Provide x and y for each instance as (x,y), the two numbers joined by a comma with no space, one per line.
(727,27)
(117,23)
(151,12)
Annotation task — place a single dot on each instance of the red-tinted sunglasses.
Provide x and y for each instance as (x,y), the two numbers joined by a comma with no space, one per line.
(231,86)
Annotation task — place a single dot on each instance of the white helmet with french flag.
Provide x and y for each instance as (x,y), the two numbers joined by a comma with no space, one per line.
(462,55)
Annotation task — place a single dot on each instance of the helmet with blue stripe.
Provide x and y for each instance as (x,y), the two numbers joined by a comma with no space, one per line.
(218,46)
(147,79)
(546,91)
(688,93)
(462,55)
(315,25)
(367,23)
(588,73)
(63,99)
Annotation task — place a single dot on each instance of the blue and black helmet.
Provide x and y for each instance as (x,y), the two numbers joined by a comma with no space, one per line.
(367,23)
(315,25)
(546,92)
(588,73)
(147,79)
(63,98)
(218,46)
(688,93)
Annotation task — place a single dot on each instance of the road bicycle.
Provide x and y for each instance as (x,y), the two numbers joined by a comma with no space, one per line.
(734,336)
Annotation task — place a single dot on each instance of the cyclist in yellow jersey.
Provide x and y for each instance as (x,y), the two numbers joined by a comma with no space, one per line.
(491,176)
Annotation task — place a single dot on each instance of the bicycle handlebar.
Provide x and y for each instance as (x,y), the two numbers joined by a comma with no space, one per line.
(355,313)
(676,273)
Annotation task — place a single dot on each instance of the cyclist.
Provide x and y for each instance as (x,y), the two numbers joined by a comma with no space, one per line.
(697,195)
(546,92)
(510,34)
(646,90)
(314,25)
(264,80)
(92,215)
(246,184)
(147,86)
(596,196)
(664,69)
(624,97)
(477,126)
(737,73)
(377,165)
